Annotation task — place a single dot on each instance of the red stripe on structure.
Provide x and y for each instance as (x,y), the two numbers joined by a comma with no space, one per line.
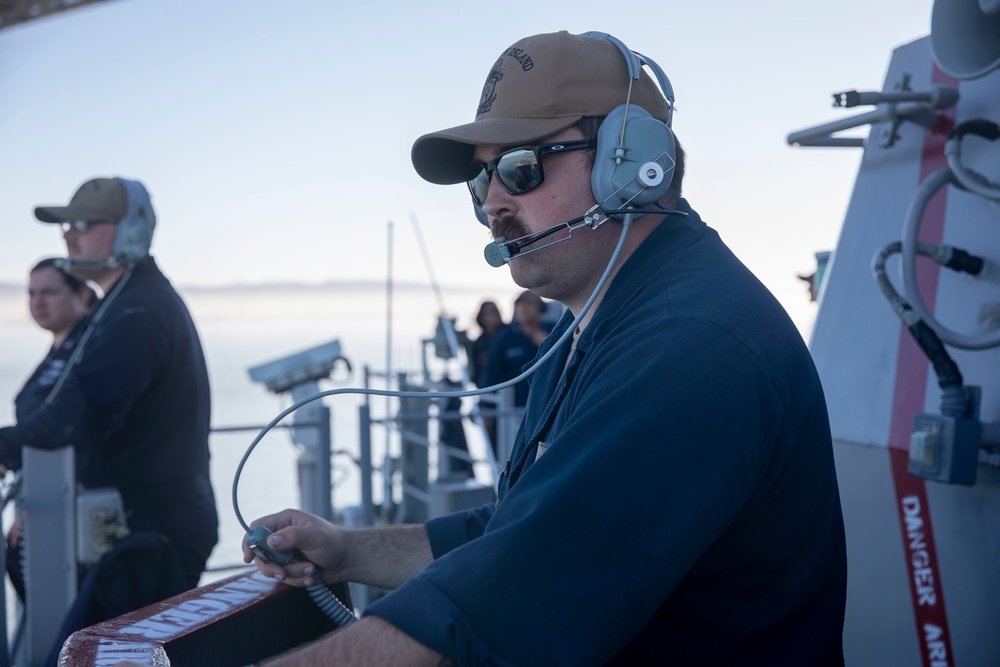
(922,564)
(912,370)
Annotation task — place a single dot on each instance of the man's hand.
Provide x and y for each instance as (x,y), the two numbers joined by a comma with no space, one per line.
(321,543)
(382,556)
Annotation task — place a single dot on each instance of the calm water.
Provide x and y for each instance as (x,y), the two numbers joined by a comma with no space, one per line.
(243,327)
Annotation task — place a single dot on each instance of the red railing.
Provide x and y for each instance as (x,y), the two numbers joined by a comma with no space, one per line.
(236,621)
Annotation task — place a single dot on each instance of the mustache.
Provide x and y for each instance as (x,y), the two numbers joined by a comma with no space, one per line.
(511,228)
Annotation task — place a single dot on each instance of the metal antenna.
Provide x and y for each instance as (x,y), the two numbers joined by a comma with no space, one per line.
(427,262)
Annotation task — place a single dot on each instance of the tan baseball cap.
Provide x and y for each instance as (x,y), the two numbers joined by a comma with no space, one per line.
(97,199)
(539,86)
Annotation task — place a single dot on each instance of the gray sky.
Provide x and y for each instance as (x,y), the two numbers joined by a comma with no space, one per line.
(276,145)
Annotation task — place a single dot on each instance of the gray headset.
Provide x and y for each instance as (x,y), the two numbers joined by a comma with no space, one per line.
(635,155)
(135,231)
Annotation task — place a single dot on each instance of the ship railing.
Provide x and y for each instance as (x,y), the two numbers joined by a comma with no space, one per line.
(52,541)
(247,617)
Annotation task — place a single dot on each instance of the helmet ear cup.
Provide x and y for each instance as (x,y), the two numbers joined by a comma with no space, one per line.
(135,231)
(634,169)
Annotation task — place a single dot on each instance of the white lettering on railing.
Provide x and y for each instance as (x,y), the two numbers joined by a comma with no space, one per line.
(196,611)
(110,653)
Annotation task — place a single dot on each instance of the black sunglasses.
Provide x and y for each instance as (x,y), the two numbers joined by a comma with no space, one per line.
(519,169)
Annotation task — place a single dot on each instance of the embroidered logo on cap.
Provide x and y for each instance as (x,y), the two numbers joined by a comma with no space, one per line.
(520,56)
(490,87)
(489,95)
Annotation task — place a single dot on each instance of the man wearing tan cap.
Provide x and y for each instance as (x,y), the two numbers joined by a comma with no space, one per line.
(671,497)
(133,399)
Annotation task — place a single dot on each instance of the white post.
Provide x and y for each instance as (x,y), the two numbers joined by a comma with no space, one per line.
(49,535)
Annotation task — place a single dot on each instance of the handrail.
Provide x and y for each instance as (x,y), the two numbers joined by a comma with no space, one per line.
(236,621)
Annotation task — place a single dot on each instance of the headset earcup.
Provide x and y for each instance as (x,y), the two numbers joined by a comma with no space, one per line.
(122,235)
(636,171)
(133,238)
(135,231)
(138,236)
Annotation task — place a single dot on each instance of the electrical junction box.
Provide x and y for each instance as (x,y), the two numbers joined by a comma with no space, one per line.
(945,449)
(100,521)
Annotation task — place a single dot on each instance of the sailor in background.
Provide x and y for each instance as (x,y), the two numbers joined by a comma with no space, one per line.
(133,398)
(511,349)
(671,497)
(59,303)
(490,322)
(517,344)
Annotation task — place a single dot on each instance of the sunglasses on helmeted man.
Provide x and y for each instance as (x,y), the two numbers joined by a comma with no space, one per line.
(518,170)
(82,226)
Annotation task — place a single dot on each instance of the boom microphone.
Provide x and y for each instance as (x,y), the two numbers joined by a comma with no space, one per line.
(498,253)
(502,251)
(67,263)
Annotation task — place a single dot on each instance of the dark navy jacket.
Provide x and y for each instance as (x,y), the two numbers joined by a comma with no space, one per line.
(136,411)
(38,386)
(682,507)
(510,350)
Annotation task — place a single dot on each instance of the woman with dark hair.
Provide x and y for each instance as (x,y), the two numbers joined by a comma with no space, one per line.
(59,303)
(490,322)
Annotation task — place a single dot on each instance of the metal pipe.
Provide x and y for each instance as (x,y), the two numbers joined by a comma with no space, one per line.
(937,97)
(889,113)
(324,482)
(365,432)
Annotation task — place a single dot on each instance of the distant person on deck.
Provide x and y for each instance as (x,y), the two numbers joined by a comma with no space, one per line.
(490,321)
(133,398)
(516,344)
(511,349)
(671,497)
(59,303)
